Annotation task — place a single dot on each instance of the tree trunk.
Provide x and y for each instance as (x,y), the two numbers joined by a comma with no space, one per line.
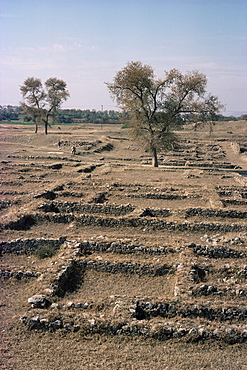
(46,126)
(36,128)
(155,158)
(210,128)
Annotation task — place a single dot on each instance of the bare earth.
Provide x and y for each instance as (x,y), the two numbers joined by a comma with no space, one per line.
(170,242)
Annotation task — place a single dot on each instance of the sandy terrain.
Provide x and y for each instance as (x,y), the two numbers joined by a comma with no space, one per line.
(153,256)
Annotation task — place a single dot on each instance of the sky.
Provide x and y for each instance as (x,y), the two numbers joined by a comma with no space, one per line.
(86,42)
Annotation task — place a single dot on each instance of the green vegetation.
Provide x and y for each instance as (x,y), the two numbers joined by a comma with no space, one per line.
(91,116)
(125,125)
(45,252)
(17,115)
(9,113)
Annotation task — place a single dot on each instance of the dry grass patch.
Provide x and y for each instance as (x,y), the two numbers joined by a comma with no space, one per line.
(97,285)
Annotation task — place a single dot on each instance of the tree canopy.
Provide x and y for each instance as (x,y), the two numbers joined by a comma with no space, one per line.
(159,106)
(42,103)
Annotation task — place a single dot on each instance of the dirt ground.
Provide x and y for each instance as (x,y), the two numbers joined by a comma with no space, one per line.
(108,194)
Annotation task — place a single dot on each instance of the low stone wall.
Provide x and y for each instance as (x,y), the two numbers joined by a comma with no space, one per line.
(157,196)
(5,204)
(151,212)
(42,157)
(217,252)
(122,248)
(215,213)
(169,310)
(194,163)
(73,194)
(26,246)
(18,275)
(229,191)
(164,330)
(235,202)
(68,207)
(127,268)
(28,221)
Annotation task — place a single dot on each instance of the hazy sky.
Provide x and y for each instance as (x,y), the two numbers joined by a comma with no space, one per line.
(85,42)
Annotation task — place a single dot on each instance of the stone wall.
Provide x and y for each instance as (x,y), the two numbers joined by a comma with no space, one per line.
(121,248)
(68,207)
(157,196)
(28,221)
(217,252)
(127,268)
(169,310)
(165,330)
(215,213)
(26,246)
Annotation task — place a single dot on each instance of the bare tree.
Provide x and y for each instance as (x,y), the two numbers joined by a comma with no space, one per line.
(42,105)
(159,106)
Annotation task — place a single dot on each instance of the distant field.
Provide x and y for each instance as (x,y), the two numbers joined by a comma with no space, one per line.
(17,123)
(32,124)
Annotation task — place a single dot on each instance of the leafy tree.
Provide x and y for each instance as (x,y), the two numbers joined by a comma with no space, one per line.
(33,94)
(209,113)
(56,94)
(158,107)
(243,117)
(41,103)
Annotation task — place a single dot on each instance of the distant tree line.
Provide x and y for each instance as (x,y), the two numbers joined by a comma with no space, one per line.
(67,116)
(91,116)
(243,117)
(15,113)
(9,113)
